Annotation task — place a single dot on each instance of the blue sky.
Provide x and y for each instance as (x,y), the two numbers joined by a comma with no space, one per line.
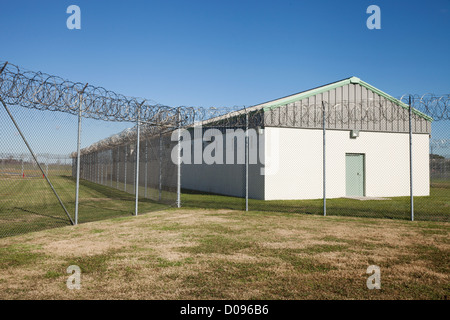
(227,53)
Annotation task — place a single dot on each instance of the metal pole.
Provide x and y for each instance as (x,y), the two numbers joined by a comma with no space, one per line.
(246,160)
(324,162)
(137,158)
(179,160)
(125,168)
(160,167)
(118,167)
(146,167)
(411,161)
(77,188)
(98,167)
(35,159)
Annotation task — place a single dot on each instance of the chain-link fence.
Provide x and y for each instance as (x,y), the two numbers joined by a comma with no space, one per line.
(29,182)
(113,164)
(73,153)
(439,174)
(328,154)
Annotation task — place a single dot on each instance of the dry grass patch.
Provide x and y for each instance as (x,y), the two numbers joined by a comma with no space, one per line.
(224,254)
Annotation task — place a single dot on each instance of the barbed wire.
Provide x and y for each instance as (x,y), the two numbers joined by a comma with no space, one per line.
(42,91)
(440,143)
(436,106)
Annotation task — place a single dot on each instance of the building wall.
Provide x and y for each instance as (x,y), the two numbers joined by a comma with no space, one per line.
(299,174)
(226,179)
(351,106)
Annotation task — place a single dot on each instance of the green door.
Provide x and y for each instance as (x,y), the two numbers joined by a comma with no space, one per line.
(354,175)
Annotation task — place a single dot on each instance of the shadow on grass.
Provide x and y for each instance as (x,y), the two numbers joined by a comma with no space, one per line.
(98,202)
(107,192)
(429,208)
(66,220)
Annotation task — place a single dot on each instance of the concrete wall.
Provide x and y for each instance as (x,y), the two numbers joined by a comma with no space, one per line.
(299,174)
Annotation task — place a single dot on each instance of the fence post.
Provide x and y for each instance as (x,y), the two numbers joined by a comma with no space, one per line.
(246,160)
(77,188)
(98,167)
(118,167)
(101,169)
(324,178)
(137,157)
(179,158)
(146,167)
(411,162)
(125,169)
(160,167)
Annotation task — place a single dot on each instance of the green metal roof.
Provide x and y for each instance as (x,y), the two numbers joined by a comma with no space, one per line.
(352,80)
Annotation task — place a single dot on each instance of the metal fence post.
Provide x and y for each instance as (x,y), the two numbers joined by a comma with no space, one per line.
(137,157)
(146,167)
(160,167)
(324,162)
(246,160)
(118,167)
(179,159)
(77,190)
(411,162)
(101,170)
(98,167)
(125,168)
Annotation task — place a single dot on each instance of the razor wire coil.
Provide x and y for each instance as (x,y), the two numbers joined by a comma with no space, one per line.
(42,91)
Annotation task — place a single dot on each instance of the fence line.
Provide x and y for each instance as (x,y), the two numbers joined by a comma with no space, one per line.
(138,160)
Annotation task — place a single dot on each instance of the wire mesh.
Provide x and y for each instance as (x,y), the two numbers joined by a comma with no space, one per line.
(437,204)
(364,129)
(27,202)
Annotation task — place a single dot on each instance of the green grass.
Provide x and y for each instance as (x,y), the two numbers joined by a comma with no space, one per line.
(18,255)
(435,207)
(30,205)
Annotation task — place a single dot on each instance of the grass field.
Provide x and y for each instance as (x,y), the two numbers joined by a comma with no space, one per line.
(28,204)
(435,207)
(228,254)
(211,249)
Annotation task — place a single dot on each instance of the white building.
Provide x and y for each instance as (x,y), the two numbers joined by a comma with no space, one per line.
(367,147)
